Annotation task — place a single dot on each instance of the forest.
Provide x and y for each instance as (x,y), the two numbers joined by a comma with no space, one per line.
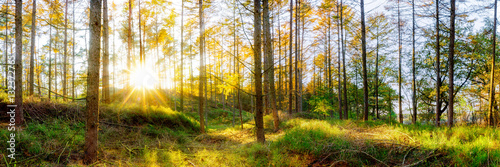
(249,83)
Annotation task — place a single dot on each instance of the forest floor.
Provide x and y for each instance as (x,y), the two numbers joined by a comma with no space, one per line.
(130,135)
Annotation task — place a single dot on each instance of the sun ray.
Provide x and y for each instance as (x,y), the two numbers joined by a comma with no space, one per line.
(128,97)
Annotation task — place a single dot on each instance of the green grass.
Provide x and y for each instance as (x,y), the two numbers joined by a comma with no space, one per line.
(158,136)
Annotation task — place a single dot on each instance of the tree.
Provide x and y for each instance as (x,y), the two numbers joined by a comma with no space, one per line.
(438,68)
(399,69)
(65,58)
(202,69)
(451,63)
(343,56)
(32,50)
(182,57)
(19,63)
(129,39)
(363,56)
(269,66)
(92,122)
(259,113)
(492,78)
(105,55)
(290,88)
(414,94)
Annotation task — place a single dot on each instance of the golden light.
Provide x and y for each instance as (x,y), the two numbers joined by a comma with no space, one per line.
(143,78)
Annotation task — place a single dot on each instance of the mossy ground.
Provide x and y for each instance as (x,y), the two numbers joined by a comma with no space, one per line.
(157,136)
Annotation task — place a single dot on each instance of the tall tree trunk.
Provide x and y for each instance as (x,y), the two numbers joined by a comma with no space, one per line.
(363,56)
(105,56)
(73,59)
(399,69)
(129,41)
(280,83)
(92,123)
(202,68)
(451,64)
(259,113)
(492,78)
(343,57)
(19,64)
(65,57)
(339,92)
(438,69)
(6,42)
(290,87)
(182,57)
(32,50)
(297,55)
(50,58)
(376,77)
(140,37)
(414,84)
(270,64)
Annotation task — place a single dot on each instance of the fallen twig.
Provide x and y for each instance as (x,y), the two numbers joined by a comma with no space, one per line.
(358,151)
(404,158)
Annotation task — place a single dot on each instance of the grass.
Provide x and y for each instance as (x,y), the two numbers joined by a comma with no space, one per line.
(158,136)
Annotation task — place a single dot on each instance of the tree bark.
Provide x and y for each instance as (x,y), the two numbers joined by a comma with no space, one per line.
(438,69)
(92,122)
(182,57)
(202,69)
(376,77)
(65,57)
(414,84)
(105,56)
(451,63)
(270,65)
(32,50)
(399,69)
(73,59)
(19,63)
(50,59)
(129,41)
(343,57)
(259,113)
(363,56)
(290,87)
(492,78)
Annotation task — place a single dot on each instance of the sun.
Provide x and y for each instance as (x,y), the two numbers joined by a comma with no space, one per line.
(143,78)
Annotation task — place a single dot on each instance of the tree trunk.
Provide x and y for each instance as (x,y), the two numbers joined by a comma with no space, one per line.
(376,78)
(343,57)
(414,84)
(182,57)
(129,41)
(6,42)
(73,59)
(19,64)
(451,63)
(259,116)
(92,122)
(399,69)
(290,87)
(140,38)
(32,50)
(270,65)
(438,68)
(202,68)
(492,78)
(105,56)
(339,92)
(50,59)
(65,57)
(363,56)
